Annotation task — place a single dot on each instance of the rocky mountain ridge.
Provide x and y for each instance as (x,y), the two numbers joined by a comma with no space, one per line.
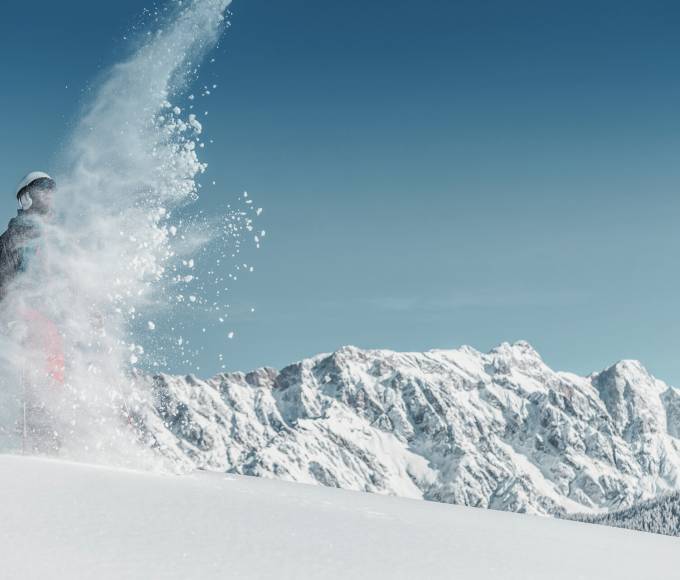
(498,429)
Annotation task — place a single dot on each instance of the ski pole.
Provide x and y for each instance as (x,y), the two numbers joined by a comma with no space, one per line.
(23,399)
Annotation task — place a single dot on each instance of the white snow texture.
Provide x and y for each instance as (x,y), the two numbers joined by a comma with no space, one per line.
(499,430)
(72,521)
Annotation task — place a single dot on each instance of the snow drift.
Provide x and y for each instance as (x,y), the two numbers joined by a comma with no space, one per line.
(60,520)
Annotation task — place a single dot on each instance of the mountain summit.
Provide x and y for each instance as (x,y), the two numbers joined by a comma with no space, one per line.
(498,429)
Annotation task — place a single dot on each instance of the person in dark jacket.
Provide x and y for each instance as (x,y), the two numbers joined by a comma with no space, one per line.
(42,366)
(21,241)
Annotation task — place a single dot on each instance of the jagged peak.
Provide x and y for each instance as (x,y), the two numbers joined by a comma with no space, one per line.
(467,349)
(626,368)
(630,365)
(263,376)
(517,350)
(350,350)
(627,375)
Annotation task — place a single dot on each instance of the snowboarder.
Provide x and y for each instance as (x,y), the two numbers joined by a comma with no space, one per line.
(21,246)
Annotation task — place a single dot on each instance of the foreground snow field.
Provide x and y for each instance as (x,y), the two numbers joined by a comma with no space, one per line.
(64,520)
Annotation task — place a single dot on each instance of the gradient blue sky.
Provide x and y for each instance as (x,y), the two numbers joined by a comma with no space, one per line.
(433,173)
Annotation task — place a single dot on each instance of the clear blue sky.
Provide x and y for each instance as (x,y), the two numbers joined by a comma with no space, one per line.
(433,173)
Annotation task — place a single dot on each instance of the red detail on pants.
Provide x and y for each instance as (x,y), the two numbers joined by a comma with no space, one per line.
(44,337)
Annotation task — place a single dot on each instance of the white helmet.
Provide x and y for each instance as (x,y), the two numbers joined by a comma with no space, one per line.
(23,198)
(30,178)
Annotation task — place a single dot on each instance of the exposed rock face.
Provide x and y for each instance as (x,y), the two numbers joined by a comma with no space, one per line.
(499,430)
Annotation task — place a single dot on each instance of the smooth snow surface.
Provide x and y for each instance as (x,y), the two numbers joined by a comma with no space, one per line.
(63,520)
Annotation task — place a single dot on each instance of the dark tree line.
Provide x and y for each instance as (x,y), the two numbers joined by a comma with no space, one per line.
(659,516)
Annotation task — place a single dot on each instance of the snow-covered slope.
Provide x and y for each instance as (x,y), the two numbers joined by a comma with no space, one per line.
(499,430)
(60,520)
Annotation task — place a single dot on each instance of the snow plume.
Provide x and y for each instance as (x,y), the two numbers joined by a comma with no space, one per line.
(111,251)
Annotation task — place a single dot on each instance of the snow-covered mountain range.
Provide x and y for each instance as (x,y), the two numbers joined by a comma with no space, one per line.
(498,429)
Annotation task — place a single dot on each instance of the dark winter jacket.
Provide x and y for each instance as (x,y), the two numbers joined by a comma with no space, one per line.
(17,245)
